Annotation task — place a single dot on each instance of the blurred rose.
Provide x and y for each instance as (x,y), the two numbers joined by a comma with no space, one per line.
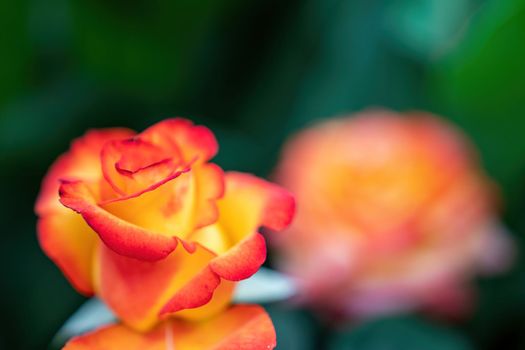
(393,213)
(160,228)
(241,327)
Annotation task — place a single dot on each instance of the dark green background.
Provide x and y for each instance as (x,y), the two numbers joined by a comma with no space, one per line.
(254,71)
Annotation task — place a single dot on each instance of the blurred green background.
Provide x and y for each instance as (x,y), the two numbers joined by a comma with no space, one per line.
(254,71)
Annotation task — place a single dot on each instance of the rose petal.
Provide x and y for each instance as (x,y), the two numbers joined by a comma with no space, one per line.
(197,292)
(133,165)
(137,290)
(241,327)
(63,235)
(166,209)
(251,202)
(206,294)
(69,242)
(123,237)
(82,161)
(195,142)
(176,207)
(243,260)
(209,185)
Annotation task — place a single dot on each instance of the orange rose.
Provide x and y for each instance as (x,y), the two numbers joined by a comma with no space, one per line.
(160,229)
(241,327)
(393,213)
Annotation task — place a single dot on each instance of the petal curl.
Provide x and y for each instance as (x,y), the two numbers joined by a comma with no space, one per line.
(62,234)
(133,165)
(219,301)
(251,202)
(139,291)
(195,142)
(243,260)
(240,327)
(197,292)
(165,209)
(82,161)
(176,207)
(123,237)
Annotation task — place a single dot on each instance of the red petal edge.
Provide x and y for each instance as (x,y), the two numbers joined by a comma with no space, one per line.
(121,236)
(243,260)
(197,292)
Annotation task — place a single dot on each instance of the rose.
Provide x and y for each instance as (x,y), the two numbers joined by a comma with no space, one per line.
(241,327)
(393,213)
(160,228)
